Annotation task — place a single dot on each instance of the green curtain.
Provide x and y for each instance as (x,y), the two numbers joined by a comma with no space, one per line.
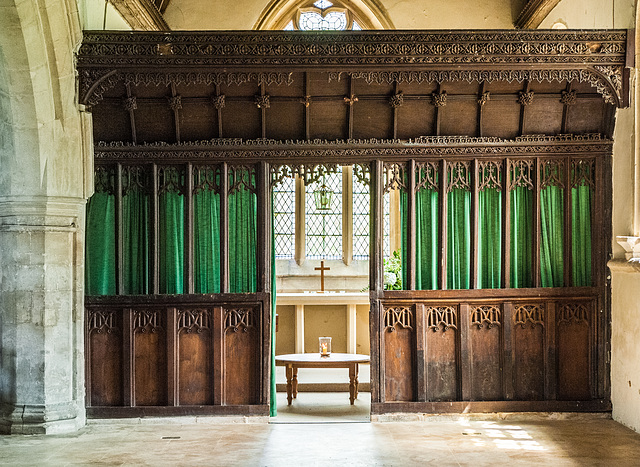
(100,258)
(552,236)
(581,235)
(489,239)
(243,236)
(136,241)
(206,241)
(427,239)
(171,242)
(458,238)
(521,237)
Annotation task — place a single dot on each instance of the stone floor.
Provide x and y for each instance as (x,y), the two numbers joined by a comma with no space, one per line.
(308,433)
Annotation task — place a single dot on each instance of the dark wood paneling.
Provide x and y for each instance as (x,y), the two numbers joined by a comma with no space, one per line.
(111,123)
(372,119)
(486,365)
(328,119)
(241,119)
(415,118)
(149,357)
(458,117)
(544,115)
(105,358)
(195,357)
(574,348)
(529,361)
(398,363)
(442,353)
(285,120)
(501,118)
(198,121)
(242,351)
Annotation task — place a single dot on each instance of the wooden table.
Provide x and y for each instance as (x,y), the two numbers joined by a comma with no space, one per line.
(313,360)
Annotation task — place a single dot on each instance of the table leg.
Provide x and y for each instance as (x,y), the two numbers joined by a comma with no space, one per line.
(289,370)
(294,382)
(353,382)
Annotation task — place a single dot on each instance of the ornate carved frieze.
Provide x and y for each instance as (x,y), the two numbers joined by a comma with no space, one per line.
(394,177)
(596,57)
(190,321)
(489,315)
(170,180)
(529,314)
(574,313)
(521,172)
(342,150)
(489,175)
(401,316)
(148,321)
(583,172)
(427,176)
(310,173)
(239,319)
(102,322)
(568,97)
(441,317)
(362,172)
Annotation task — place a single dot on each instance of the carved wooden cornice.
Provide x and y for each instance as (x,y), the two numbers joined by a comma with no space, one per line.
(534,13)
(353,150)
(596,57)
(142,15)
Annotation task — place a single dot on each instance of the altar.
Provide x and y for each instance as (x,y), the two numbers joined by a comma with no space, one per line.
(304,316)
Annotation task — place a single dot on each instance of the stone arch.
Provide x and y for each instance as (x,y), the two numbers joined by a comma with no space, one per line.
(277,14)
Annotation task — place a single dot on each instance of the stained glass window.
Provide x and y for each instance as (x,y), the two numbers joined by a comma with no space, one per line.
(324,227)
(323,15)
(284,197)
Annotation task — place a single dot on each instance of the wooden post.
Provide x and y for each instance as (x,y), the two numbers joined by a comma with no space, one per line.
(224,228)
(411,240)
(188,231)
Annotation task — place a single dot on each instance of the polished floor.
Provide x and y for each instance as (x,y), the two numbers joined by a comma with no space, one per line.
(309,433)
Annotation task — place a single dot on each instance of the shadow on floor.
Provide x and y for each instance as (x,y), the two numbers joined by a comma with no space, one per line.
(323,407)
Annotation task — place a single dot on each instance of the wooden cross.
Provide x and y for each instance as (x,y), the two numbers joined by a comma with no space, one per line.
(322,269)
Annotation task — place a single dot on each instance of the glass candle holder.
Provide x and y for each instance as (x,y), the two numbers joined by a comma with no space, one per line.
(325,346)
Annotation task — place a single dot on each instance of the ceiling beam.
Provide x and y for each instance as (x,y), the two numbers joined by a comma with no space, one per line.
(141,15)
(534,12)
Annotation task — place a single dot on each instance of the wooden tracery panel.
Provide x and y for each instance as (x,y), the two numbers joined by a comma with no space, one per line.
(442,352)
(529,351)
(486,352)
(242,356)
(195,356)
(399,332)
(104,358)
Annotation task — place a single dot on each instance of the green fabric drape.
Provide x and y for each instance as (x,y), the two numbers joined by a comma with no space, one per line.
(100,258)
(458,239)
(552,236)
(581,235)
(243,237)
(136,240)
(427,241)
(206,241)
(521,251)
(171,243)
(489,239)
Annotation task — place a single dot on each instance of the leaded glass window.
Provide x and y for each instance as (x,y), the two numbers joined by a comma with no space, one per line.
(361,209)
(323,15)
(284,197)
(324,227)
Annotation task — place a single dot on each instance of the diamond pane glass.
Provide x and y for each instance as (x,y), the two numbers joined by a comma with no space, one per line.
(361,212)
(386,227)
(324,227)
(312,21)
(284,197)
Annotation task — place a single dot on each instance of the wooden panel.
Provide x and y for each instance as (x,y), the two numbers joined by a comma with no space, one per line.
(458,118)
(155,121)
(111,122)
(242,354)
(441,353)
(415,118)
(544,116)
(573,339)
(285,120)
(241,119)
(399,342)
(328,119)
(195,357)
(198,122)
(501,118)
(485,337)
(372,119)
(586,116)
(528,350)
(150,359)
(105,358)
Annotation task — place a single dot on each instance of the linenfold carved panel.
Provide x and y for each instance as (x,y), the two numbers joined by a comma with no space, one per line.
(398,316)
(489,315)
(529,314)
(195,320)
(239,319)
(445,317)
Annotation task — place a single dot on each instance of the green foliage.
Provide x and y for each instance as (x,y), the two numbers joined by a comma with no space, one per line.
(393,272)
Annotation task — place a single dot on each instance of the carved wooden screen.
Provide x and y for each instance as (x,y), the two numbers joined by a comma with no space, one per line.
(480,126)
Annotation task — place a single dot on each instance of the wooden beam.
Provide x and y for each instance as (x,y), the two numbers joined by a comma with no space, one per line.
(141,15)
(534,13)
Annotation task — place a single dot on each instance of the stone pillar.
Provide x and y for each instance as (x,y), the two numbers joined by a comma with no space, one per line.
(41,314)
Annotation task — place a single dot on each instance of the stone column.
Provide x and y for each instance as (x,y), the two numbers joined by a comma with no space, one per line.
(41,314)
